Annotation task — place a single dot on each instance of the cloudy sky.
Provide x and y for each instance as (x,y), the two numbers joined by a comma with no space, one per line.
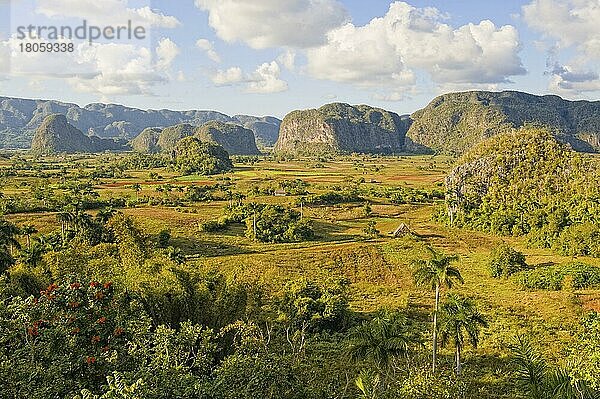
(267,57)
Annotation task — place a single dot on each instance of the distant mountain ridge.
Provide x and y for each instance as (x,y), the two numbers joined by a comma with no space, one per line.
(19,119)
(450,124)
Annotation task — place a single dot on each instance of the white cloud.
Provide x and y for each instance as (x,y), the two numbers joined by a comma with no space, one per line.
(388,50)
(288,60)
(110,12)
(122,69)
(266,79)
(274,23)
(359,55)
(571,30)
(103,69)
(570,80)
(208,47)
(569,22)
(166,52)
(391,97)
(227,77)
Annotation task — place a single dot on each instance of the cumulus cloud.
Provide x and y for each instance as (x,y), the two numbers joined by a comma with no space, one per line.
(571,30)
(103,69)
(569,22)
(229,76)
(266,79)
(389,49)
(121,69)
(166,53)
(274,23)
(209,48)
(571,80)
(110,12)
(288,60)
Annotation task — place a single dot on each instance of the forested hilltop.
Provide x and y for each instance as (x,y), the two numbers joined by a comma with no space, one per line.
(341,128)
(454,122)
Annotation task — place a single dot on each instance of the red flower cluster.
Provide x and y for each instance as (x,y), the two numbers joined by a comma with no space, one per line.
(90,360)
(94,284)
(118,331)
(95,339)
(34,330)
(107,285)
(102,320)
(75,286)
(48,292)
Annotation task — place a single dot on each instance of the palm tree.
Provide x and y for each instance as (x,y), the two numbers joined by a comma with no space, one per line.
(104,215)
(8,234)
(435,273)
(459,315)
(32,255)
(530,368)
(27,230)
(538,381)
(383,339)
(137,187)
(8,241)
(65,217)
(368,384)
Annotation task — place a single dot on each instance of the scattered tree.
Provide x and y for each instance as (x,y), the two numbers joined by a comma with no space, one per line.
(434,273)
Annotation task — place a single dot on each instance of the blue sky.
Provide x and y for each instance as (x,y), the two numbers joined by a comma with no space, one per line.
(268,57)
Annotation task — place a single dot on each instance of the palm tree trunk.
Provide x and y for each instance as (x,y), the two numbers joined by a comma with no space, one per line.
(458,365)
(435,313)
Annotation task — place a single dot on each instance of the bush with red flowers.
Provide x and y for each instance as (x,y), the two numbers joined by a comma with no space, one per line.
(74,331)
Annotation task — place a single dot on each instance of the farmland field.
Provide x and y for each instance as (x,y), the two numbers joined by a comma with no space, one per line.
(353,241)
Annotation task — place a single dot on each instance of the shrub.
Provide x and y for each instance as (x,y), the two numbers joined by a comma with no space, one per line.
(506,261)
(273,223)
(294,186)
(370,229)
(542,278)
(164,236)
(579,239)
(213,226)
(585,276)
(332,198)
(552,277)
(314,307)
